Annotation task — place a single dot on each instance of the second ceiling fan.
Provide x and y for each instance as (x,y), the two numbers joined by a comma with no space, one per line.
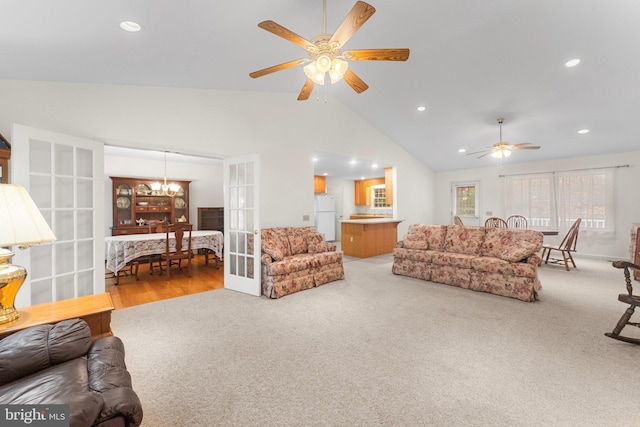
(326,54)
(502,149)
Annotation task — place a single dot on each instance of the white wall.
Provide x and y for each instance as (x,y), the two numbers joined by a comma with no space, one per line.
(205,189)
(220,124)
(627,204)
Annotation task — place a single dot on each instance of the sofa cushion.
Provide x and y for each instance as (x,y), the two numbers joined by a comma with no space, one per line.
(298,239)
(274,253)
(316,243)
(416,241)
(38,347)
(276,240)
(292,264)
(435,234)
(518,251)
(506,268)
(464,239)
(326,258)
(497,238)
(452,259)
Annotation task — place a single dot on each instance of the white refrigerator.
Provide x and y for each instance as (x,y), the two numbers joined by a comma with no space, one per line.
(326,217)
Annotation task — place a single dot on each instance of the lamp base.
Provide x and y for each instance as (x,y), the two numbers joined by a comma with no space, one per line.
(11,278)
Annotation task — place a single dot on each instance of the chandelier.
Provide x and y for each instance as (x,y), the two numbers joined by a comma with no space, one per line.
(160,189)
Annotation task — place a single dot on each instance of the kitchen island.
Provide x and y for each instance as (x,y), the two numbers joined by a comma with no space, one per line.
(364,238)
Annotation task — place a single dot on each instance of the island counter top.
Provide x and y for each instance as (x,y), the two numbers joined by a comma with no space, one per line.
(371,221)
(364,238)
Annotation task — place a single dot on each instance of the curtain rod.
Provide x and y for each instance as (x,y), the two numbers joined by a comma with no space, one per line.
(566,170)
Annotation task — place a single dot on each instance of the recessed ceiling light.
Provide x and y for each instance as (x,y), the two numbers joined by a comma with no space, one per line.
(422,108)
(462,150)
(325,174)
(583,131)
(374,166)
(572,62)
(130,26)
(315,159)
(352,162)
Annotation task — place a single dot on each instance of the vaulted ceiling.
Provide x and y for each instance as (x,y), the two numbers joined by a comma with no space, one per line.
(471,62)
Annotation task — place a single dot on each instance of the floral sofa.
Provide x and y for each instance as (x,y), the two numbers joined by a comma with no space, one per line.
(297,258)
(500,261)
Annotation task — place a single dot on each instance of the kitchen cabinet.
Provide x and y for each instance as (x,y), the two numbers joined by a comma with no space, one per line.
(319,184)
(135,204)
(388,185)
(369,237)
(211,219)
(362,190)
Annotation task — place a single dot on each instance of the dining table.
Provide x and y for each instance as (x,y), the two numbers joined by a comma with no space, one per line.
(122,249)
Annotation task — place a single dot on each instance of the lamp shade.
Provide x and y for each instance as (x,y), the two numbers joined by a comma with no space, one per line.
(21,222)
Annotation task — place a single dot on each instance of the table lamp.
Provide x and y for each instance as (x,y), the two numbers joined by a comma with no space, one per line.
(22,225)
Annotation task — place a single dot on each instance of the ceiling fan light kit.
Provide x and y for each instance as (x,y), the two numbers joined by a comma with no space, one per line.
(326,55)
(503,149)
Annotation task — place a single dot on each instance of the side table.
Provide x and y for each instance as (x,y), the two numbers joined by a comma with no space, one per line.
(93,309)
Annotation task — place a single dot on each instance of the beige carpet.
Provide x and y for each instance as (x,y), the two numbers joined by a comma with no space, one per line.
(378,349)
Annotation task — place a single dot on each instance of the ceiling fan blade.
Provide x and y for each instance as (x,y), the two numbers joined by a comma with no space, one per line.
(358,15)
(488,150)
(286,34)
(377,54)
(524,145)
(485,154)
(278,67)
(355,82)
(307,88)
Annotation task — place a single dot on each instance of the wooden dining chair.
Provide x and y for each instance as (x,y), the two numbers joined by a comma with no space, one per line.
(517,221)
(175,257)
(496,222)
(566,247)
(457,220)
(628,298)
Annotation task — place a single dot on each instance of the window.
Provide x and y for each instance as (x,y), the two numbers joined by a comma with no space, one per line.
(379,196)
(465,199)
(557,199)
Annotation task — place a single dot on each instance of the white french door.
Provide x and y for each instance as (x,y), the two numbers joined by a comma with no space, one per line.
(65,177)
(241,224)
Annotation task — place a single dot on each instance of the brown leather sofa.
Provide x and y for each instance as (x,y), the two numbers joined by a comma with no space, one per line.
(60,364)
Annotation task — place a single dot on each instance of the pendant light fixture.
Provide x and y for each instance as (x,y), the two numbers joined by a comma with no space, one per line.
(160,189)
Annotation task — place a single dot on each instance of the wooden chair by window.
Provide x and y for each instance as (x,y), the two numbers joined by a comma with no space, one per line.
(496,222)
(628,298)
(565,247)
(175,257)
(517,221)
(457,220)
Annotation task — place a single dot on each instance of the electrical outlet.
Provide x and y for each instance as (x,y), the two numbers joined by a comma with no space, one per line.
(305,217)
(351,238)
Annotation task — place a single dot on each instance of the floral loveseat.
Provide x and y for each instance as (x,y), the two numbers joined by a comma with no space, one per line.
(297,258)
(500,261)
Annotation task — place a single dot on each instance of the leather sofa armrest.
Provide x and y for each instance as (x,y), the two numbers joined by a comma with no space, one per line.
(109,377)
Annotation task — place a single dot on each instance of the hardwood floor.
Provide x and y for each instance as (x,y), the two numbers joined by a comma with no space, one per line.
(153,287)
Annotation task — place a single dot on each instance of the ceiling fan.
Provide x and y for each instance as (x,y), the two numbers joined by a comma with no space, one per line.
(326,54)
(502,149)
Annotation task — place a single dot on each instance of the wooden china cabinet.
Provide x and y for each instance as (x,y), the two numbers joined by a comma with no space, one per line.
(135,204)
(5,154)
